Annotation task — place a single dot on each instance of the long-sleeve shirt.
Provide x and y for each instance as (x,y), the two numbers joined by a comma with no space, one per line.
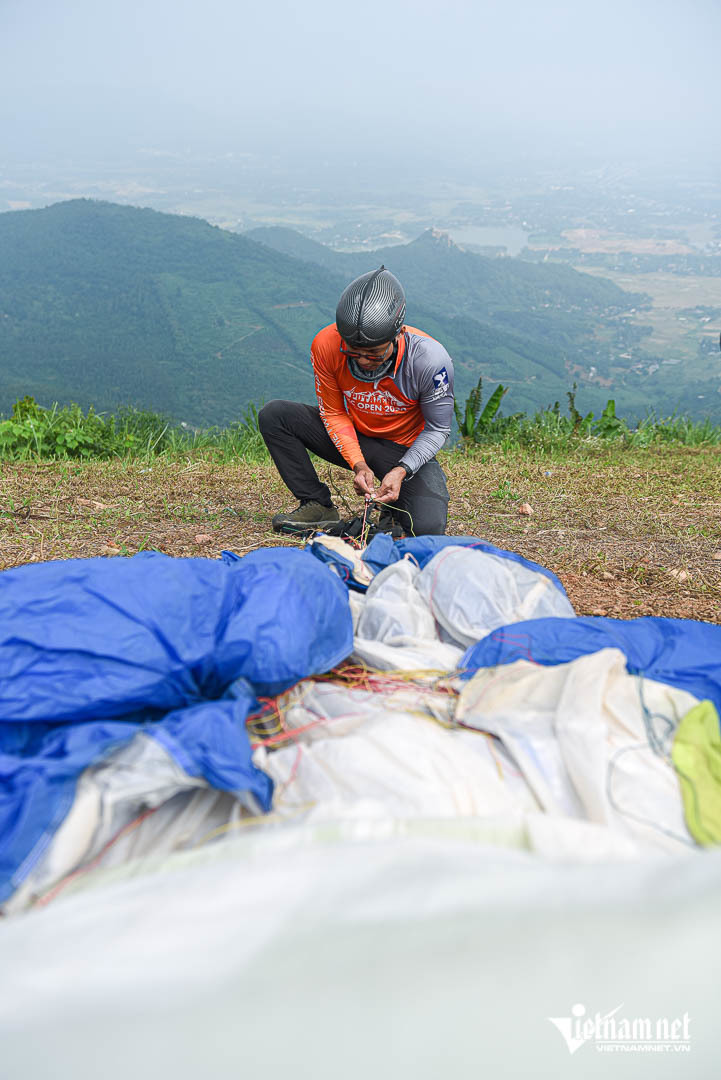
(413,405)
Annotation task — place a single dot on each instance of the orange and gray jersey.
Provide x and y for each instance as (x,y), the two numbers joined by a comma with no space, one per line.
(412,406)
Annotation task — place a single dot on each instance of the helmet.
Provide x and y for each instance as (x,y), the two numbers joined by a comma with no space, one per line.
(371,310)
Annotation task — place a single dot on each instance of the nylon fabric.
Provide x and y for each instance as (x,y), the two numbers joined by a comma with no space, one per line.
(37,789)
(93,651)
(471,592)
(696,754)
(92,638)
(382,551)
(413,830)
(578,732)
(395,629)
(680,652)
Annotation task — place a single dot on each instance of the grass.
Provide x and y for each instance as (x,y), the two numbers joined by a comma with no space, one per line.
(630,519)
(37,433)
(615,521)
(34,432)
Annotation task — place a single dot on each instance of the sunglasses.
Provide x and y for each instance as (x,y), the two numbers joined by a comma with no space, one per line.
(373,356)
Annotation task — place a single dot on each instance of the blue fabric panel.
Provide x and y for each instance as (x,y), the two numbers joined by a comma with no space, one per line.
(96,638)
(341,566)
(39,768)
(92,650)
(211,741)
(681,652)
(40,765)
(290,619)
(383,550)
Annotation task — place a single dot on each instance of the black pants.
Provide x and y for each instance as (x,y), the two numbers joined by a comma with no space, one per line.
(291,429)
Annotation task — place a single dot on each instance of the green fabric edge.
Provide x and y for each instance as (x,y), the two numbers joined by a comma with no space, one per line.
(696,755)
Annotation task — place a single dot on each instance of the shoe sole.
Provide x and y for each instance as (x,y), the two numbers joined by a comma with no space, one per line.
(295,528)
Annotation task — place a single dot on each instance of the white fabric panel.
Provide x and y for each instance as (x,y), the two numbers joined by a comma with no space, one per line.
(471,592)
(113,794)
(395,629)
(578,733)
(377,755)
(369,950)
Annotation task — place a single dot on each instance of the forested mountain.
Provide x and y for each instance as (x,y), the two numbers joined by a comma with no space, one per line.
(441,275)
(576,317)
(111,305)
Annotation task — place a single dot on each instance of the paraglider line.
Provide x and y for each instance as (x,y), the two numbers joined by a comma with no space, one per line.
(648,822)
(520,641)
(54,892)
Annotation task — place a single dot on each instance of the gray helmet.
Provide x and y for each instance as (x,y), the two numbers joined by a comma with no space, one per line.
(371,310)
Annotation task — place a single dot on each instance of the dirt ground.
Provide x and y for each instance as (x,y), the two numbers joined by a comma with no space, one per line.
(628,533)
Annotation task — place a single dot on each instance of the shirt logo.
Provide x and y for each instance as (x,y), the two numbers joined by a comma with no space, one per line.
(374,401)
(440,383)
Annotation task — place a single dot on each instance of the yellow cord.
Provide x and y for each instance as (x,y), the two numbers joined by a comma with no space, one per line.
(258,819)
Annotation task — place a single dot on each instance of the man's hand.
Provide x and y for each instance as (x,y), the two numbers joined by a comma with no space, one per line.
(390,489)
(364,480)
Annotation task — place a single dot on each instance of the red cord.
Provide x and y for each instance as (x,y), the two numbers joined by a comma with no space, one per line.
(42,901)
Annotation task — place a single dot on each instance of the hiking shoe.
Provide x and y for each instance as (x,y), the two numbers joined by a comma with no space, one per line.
(388,524)
(310,516)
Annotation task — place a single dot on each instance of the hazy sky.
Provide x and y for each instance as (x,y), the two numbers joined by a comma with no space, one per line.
(368,78)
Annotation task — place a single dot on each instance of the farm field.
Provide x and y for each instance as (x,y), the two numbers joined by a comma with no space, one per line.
(675,336)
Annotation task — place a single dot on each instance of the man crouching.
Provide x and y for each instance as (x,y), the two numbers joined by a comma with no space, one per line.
(385,406)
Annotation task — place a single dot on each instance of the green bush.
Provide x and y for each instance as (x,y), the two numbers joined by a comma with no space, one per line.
(33,431)
(472,423)
(67,432)
(549,431)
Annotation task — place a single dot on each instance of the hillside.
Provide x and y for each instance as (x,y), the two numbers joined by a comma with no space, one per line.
(595,331)
(443,276)
(577,316)
(111,305)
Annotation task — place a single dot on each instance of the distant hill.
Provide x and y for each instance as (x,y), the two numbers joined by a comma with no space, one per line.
(573,326)
(582,322)
(111,305)
(439,274)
